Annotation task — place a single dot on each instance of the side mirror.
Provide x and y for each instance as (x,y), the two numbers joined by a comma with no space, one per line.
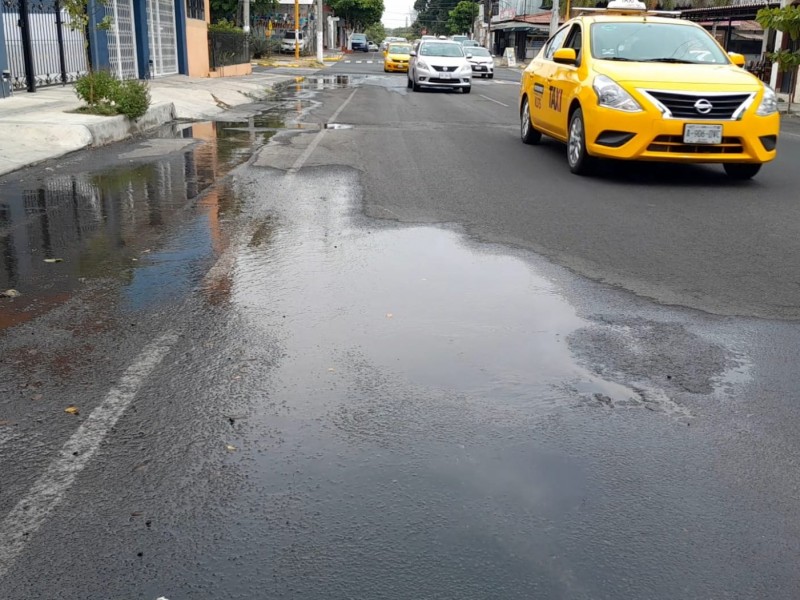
(737,59)
(412,53)
(565,56)
(469,56)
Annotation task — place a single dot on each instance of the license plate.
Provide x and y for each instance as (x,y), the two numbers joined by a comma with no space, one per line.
(702,134)
(478,68)
(444,75)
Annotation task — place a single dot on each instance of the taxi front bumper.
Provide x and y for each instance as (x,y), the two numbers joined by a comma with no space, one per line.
(392,65)
(645,136)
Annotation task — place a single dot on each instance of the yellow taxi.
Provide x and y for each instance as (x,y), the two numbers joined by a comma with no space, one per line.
(396,56)
(625,83)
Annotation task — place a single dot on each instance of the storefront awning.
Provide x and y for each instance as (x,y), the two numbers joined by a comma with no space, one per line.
(512,26)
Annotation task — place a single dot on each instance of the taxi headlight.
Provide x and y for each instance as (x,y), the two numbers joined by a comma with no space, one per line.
(612,95)
(769,103)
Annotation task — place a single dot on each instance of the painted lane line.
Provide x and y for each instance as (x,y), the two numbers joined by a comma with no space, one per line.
(797,135)
(301,160)
(49,490)
(369,62)
(493,100)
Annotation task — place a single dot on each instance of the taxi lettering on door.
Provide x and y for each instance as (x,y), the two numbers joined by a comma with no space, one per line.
(555,94)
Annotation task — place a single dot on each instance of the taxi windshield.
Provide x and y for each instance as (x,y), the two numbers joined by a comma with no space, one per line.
(399,49)
(655,42)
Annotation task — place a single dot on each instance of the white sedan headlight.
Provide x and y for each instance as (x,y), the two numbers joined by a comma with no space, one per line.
(421,64)
(769,103)
(612,95)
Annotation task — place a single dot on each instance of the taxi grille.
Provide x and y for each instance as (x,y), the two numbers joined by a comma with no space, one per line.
(674,143)
(685,105)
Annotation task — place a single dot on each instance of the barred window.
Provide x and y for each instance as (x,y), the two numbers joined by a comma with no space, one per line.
(196,9)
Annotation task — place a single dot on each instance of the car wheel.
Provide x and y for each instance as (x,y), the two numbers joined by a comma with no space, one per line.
(527,132)
(408,82)
(466,90)
(415,86)
(742,171)
(579,160)
(490,75)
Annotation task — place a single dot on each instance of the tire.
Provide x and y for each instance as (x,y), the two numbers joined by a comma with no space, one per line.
(527,132)
(408,82)
(578,159)
(466,90)
(490,75)
(742,171)
(415,86)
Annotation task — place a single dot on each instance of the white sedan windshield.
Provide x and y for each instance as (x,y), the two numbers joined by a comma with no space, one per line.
(434,49)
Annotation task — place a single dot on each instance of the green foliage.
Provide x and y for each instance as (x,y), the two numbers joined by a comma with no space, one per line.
(105,95)
(462,18)
(225,26)
(358,14)
(132,98)
(261,46)
(230,10)
(786,19)
(375,32)
(96,88)
(432,16)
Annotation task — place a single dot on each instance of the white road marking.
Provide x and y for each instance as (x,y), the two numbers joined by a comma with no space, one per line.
(358,62)
(49,490)
(348,61)
(369,62)
(301,160)
(797,135)
(493,100)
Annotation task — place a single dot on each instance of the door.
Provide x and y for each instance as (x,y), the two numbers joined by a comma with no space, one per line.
(542,75)
(163,38)
(122,39)
(563,83)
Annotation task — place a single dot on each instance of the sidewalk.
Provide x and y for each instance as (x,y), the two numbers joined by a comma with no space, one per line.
(37,127)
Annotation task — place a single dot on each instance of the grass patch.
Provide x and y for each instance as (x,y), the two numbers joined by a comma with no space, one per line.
(101,110)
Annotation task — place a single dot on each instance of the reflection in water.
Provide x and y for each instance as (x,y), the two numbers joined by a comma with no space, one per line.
(100,222)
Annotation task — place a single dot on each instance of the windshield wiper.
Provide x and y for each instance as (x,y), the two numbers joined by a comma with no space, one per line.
(618,58)
(670,60)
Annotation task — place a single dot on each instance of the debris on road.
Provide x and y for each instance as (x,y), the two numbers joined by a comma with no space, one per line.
(230,447)
(53,260)
(11,294)
(72,409)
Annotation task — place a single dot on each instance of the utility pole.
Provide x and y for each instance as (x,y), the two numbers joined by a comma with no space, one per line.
(297,29)
(246,16)
(320,57)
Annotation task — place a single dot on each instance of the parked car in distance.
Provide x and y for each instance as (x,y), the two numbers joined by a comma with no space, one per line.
(372,46)
(459,38)
(358,41)
(470,44)
(481,60)
(440,64)
(288,42)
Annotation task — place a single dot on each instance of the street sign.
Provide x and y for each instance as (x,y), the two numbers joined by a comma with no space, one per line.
(510,57)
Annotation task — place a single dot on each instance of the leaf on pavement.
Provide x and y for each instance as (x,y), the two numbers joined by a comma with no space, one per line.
(11,294)
(230,447)
(53,260)
(71,409)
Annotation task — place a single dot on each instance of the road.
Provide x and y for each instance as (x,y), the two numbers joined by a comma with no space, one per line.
(369,345)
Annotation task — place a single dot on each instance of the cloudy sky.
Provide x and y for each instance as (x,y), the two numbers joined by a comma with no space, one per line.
(396,11)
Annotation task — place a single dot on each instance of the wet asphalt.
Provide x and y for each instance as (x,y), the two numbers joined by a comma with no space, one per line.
(365,344)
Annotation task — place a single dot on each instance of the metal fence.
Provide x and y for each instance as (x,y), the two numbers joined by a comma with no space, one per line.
(227,48)
(42,49)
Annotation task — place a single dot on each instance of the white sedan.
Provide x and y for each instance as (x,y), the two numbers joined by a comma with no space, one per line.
(442,64)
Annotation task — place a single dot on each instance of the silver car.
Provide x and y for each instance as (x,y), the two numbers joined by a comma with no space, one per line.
(482,62)
(441,64)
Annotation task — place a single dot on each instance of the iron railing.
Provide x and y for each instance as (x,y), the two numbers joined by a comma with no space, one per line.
(227,48)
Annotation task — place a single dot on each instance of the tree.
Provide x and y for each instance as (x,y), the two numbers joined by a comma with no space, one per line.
(786,20)
(462,18)
(432,16)
(80,17)
(375,32)
(357,14)
(230,10)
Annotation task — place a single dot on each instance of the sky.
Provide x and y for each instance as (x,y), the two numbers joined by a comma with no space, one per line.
(396,11)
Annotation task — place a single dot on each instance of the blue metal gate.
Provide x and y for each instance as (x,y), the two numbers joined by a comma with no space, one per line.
(42,49)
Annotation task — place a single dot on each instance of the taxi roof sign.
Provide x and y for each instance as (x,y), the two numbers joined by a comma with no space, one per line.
(626,5)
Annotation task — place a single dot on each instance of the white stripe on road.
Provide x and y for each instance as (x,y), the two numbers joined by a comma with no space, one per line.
(797,135)
(493,100)
(369,62)
(348,61)
(301,160)
(48,491)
